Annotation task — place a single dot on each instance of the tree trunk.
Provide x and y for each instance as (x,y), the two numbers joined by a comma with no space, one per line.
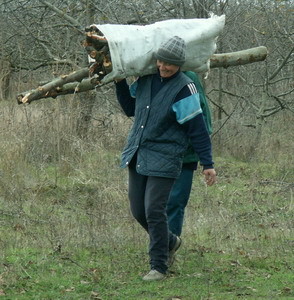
(5,74)
(86,100)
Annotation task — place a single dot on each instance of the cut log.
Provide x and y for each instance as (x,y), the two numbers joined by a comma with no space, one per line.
(238,58)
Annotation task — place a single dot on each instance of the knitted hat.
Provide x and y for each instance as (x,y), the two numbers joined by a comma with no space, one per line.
(172,51)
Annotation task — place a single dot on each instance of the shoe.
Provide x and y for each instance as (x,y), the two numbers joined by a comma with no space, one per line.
(172,252)
(153,275)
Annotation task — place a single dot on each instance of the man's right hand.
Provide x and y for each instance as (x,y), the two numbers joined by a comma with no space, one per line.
(210,176)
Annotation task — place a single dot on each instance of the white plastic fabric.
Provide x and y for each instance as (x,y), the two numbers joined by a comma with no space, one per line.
(132,47)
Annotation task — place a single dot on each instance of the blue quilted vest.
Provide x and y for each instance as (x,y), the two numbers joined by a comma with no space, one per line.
(156,136)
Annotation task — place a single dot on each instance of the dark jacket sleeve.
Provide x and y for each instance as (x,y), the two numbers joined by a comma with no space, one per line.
(126,101)
(200,140)
(198,134)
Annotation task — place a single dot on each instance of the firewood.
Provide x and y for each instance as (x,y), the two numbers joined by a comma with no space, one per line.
(97,48)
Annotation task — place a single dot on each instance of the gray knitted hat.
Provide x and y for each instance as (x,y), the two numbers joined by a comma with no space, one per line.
(173,51)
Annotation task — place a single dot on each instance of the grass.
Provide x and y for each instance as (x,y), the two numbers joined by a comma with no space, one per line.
(66,231)
(106,274)
(238,242)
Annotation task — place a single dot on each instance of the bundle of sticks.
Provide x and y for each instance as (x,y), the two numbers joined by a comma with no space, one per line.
(90,77)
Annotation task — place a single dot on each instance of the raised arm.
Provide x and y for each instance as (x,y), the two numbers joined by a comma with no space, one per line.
(126,101)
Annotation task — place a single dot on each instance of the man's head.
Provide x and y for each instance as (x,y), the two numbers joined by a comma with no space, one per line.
(171,56)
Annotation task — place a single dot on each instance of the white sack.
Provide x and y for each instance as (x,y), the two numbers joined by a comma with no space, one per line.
(132,47)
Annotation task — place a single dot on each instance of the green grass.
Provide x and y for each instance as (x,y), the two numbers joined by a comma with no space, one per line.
(116,274)
(76,239)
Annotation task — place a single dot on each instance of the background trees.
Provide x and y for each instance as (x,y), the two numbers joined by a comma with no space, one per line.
(42,39)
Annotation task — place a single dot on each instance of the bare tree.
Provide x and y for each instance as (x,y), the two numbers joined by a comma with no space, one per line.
(43,38)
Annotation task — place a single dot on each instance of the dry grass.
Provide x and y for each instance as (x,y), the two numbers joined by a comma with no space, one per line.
(49,175)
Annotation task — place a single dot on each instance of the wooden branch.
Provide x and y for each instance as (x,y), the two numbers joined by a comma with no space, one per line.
(243,57)
(43,91)
(85,85)
(77,82)
(61,13)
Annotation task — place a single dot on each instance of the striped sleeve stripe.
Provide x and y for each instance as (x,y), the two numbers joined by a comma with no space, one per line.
(192,88)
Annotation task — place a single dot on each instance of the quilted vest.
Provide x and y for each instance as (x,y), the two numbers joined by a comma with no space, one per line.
(156,137)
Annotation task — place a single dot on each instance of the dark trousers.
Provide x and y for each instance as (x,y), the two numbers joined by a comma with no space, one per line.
(178,201)
(148,198)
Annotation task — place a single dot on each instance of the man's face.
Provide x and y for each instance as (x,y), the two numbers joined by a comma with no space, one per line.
(166,69)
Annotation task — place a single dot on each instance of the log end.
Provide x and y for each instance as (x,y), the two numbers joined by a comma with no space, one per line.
(22,99)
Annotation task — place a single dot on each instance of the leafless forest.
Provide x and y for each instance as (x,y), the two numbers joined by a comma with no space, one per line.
(42,39)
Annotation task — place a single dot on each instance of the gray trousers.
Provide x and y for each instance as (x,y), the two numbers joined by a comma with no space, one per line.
(148,199)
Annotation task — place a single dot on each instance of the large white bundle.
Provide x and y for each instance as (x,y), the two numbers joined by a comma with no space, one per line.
(132,47)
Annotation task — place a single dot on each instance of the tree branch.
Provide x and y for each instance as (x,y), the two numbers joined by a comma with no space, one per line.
(282,65)
(238,58)
(45,90)
(63,15)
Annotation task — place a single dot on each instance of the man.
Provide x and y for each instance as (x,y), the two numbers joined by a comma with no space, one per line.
(167,116)
(180,193)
